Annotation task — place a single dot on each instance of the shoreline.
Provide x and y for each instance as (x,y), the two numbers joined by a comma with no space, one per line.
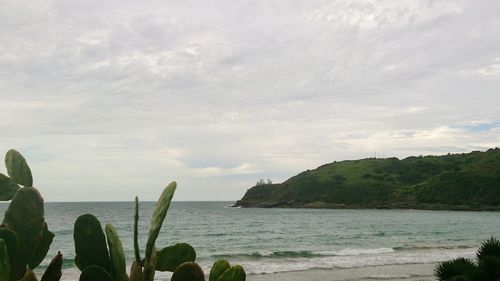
(390,206)
(403,272)
(406,272)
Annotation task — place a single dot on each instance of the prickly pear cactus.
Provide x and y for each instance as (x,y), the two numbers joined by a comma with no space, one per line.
(53,271)
(25,216)
(117,256)
(159,215)
(188,271)
(8,188)
(90,243)
(41,248)
(18,168)
(137,251)
(95,273)
(12,246)
(218,268)
(235,273)
(169,258)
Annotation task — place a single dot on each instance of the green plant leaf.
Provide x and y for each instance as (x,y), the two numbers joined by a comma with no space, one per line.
(95,273)
(4,262)
(42,248)
(169,258)
(12,243)
(25,216)
(217,269)
(18,168)
(148,274)
(53,271)
(117,256)
(234,273)
(159,215)
(460,267)
(90,243)
(188,271)
(8,188)
(137,251)
(490,247)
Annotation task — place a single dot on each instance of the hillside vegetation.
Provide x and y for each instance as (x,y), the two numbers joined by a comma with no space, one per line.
(468,181)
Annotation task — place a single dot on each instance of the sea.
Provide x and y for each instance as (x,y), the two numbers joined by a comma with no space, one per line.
(270,242)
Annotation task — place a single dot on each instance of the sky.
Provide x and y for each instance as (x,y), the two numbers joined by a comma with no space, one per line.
(112,99)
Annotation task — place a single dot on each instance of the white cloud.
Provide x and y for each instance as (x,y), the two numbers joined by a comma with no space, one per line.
(127,96)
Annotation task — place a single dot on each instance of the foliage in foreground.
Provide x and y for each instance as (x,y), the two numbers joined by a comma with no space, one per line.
(485,268)
(25,240)
(107,263)
(24,235)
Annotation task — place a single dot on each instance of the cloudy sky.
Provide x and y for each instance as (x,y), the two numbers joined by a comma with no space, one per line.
(111,99)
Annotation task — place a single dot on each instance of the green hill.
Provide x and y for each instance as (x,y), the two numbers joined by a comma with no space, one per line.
(469,181)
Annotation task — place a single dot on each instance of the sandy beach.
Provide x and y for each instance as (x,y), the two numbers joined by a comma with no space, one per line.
(412,272)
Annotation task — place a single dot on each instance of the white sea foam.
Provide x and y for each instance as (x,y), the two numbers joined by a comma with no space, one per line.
(355,252)
(382,257)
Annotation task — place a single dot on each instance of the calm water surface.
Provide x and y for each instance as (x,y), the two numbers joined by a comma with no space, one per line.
(281,240)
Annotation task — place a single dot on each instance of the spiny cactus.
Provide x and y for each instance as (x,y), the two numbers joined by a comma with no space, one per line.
(53,271)
(18,168)
(188,271)
(95,273)
(222,271)
(218,268)
(116,254)
(97,264)
(90,244)
(23,230)
(8,188)
(169,258)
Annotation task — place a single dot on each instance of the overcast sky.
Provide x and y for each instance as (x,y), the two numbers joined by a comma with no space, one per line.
(112,99)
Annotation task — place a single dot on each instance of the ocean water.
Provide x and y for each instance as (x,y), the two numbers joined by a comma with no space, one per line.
(269,241)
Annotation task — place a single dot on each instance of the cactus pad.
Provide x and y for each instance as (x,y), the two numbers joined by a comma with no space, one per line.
(42,248)
(95,273)
(8,188)
(17,168)
(235,273)
(90,243)
(116,254)
(188,271)
(169,258)
(53,271)
(159,215)
(25,216)
(217,269)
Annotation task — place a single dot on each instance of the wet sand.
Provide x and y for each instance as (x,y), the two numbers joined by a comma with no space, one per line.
(412,272)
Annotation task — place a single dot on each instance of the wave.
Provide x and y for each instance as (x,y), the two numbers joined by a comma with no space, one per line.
(354,261)
(260,255)
(419,248)
(308,260)
(305,254)
(394,276)
(356,252)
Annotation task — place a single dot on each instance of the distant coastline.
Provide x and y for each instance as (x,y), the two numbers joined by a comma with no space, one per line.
(392,206)
(461,182)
